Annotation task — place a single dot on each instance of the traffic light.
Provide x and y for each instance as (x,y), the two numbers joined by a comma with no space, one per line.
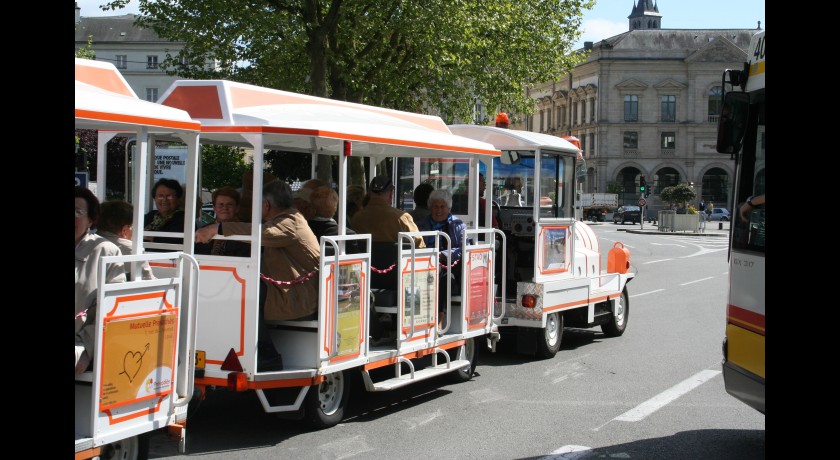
(642,184)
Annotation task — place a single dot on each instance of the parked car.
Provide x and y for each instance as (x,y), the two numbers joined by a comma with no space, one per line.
(632,214)
(719,214)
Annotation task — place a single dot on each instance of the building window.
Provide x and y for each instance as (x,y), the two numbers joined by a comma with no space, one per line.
(583,143)
(559,117)
(151,62)
(669,108)
(574,113)
(631,108)
(592,145)
(715,103)
(631,139)
(583,117)
(669,140)
(592,110)
(121,61)
(152,94)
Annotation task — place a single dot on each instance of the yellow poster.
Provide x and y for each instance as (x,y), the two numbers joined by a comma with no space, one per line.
(137,358)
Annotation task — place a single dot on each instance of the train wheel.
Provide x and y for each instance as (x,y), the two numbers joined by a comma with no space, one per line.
(325,403)
(549,343)
(471,352)
(133,448)
(618,323)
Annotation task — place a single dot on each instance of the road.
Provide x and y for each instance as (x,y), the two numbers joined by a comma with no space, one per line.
(655,393)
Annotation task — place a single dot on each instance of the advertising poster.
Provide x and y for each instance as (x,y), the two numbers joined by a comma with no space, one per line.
(424,293)
(139,361)
(350,306)
(554,249)
(478,272)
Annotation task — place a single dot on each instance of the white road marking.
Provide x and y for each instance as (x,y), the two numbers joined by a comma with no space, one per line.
(646,293)
(697,281)
(663,244)
(568,453)
(656,261)
(659,401)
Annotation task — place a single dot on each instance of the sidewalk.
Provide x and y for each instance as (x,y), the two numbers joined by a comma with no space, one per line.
(713,229)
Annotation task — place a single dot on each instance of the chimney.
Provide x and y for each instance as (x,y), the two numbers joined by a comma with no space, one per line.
(78,13)
(587,46)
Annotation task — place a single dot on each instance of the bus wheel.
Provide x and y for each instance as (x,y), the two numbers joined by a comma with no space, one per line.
(325,403)
(471,353)
(549,343)
(616,325)
(133,448)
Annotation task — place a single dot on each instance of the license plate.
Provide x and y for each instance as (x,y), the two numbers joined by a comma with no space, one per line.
(199,359)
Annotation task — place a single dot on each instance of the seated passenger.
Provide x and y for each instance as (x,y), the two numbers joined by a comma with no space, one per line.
(168,217)
(380,219)
(440,203)
(421,202)
(290,253)
(116,225)
(441,219)
(226,206)
(302,198)
(90,248)
(324,201)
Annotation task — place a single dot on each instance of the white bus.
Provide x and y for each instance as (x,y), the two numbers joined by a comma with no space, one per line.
(741,134)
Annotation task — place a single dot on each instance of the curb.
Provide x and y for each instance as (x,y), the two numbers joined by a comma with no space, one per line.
(657,232)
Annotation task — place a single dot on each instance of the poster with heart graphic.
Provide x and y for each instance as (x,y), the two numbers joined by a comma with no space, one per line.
(138,358)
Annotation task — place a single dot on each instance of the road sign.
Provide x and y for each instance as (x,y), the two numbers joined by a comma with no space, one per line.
(642,202)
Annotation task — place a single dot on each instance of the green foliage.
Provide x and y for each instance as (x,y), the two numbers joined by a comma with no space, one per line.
(434,56)
(222,165)
(85,160)
(86,52)
(677,194)
(614,187)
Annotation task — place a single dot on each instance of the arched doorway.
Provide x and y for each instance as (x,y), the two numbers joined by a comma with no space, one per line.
(665,177)
(627,181)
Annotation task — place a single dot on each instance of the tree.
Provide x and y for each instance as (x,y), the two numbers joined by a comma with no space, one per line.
(429,56)
(680,193)
(222,165)
(426,56)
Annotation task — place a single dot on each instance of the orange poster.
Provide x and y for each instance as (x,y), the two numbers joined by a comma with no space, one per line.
(479,300)
(137,358)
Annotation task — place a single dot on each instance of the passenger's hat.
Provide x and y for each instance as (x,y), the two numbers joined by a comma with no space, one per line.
(381,184)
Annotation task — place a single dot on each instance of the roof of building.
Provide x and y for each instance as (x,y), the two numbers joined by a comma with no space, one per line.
(115,29)
(670,43)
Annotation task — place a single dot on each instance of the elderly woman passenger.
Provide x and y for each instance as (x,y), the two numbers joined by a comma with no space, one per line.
(440,218)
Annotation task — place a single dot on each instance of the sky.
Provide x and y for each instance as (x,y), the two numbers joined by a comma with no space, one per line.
(608,17)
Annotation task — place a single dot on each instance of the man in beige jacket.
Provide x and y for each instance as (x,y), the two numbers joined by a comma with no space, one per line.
(290,252)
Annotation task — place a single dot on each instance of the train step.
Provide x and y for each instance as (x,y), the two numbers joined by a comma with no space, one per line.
(407,378)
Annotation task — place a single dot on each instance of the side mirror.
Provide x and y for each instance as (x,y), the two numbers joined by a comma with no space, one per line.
(732,122)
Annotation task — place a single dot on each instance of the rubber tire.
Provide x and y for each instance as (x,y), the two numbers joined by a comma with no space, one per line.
(133,448)
(617,323)
(548,343)
(471,350)
(325,403)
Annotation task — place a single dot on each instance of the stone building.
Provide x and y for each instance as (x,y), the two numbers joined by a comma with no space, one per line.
(646,103)
(137,52)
